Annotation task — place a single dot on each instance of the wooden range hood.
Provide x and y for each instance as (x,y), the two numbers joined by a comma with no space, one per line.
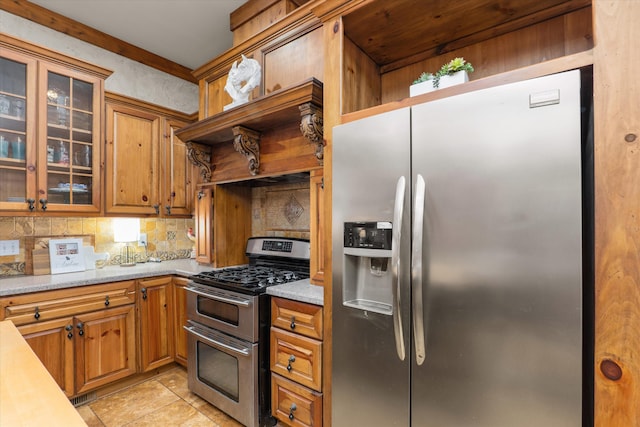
(275,134)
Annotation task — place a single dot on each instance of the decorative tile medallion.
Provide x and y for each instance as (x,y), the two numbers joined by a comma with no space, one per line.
(292,210)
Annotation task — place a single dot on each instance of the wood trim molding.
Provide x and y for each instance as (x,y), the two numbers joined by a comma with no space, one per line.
(70,27)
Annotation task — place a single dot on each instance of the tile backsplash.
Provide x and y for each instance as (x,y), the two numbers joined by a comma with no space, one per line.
(167,238)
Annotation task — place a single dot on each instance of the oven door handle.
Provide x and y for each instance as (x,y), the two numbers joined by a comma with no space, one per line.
(240,351)
(241,303)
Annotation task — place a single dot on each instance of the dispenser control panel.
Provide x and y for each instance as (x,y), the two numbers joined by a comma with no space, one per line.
(368,235)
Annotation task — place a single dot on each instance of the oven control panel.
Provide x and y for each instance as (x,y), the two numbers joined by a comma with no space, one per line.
(279,247)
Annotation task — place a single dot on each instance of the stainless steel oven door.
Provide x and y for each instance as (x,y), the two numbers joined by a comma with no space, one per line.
(224,371)
(230,312)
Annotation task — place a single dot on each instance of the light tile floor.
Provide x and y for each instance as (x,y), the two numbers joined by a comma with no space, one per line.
(163,400)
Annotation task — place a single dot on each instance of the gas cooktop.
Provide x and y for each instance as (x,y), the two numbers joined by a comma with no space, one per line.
(272,261)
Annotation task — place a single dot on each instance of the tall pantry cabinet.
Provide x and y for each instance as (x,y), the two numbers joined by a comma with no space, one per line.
(50,130)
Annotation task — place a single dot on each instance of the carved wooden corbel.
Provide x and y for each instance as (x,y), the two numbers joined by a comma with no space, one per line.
(312,128)
(247,142)
(201,159)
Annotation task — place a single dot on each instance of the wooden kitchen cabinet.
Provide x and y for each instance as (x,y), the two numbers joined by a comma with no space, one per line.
(52,341)
(105,347)
(84,336)
(317,227)
(180,319)
(296,362)
(147,168)
(50,131)
(203,229)
(155,322)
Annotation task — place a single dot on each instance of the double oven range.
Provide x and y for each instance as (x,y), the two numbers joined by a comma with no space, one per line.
(228,327)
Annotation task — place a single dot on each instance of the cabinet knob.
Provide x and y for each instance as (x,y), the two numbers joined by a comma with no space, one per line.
(69,328)
(144,293)
(43,202)
(168,209)
(80,326)
(292,359)
(200,195)
(37,313)
(293,322)
(157,208)
(291,409)
(106,300)
(32,204)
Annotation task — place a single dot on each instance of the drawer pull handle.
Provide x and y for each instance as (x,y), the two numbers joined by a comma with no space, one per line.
(293,408)
(292,359)
(106,300)
(144,293)
(31,204)
(44,202)
(293,322)
(80,326)
(69,328)
(37,313)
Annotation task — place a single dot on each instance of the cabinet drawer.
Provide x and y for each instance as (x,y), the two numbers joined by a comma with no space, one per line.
(297,358)
(294,404)
(304,319)
(41,306)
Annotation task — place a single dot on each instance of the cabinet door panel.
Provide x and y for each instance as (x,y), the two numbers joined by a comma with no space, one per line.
(156,327)
(50,341)
(105,348)
(132,166)
(203,225)
(69,159)
(178,173)
(180,313)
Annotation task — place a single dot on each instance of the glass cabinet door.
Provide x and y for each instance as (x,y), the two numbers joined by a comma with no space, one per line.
(72,129)
(17,82)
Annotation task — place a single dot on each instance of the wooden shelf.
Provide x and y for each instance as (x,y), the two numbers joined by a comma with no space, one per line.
(279,108)
(558,65)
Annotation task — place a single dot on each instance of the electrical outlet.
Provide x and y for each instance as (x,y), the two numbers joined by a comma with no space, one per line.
(9,247)
(142,239)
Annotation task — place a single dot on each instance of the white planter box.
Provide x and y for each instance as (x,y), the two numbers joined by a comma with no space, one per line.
(420,88)
(454,79)
(445,81)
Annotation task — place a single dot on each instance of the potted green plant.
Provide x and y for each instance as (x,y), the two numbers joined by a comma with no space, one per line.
(457,69)
(452,73)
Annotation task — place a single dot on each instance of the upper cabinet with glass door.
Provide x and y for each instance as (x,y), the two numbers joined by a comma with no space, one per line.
(52,130)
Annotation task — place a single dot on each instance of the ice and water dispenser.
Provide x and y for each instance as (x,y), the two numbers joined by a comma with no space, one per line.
(367,275)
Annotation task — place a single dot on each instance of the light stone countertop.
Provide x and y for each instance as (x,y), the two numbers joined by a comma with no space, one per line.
(27,284)
(15,285)
(301,290)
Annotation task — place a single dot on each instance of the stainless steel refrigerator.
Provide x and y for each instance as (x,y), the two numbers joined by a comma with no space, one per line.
(457,261)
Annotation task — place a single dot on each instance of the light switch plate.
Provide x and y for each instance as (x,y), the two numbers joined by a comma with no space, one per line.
(9,247)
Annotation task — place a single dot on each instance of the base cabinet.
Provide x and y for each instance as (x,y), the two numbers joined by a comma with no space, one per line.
(105,347)
(53,343)
(180,319)
(85,337)
(155,307)
(296,362)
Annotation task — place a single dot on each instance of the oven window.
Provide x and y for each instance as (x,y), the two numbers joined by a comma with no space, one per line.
(218,370)
(227,313)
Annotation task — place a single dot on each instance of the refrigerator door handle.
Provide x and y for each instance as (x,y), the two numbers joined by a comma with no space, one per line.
(416,271)
(396,237)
